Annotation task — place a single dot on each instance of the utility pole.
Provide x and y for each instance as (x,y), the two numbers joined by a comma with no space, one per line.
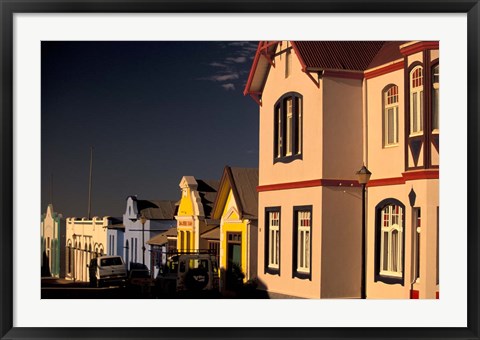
(90,185)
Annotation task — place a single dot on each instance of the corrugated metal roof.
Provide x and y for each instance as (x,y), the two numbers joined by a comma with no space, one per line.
(163,237)
(245,181)
(389,52)
(157,209)
(337,55)
(213,234)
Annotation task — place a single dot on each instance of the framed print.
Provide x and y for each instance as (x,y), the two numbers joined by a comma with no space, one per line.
(356,234)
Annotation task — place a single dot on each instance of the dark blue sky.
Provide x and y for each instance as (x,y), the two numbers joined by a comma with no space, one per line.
(153,111)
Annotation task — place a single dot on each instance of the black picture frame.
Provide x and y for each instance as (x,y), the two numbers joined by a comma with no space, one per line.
(9,7)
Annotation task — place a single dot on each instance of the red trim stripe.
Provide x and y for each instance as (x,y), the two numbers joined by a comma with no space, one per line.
(343,74)
(406,176)
(420,46)
(384,70)
(308,184)
(414,294)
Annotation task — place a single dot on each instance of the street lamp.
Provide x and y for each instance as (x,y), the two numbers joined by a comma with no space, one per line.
(143,219)
(363,178)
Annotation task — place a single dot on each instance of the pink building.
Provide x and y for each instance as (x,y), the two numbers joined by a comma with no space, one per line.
(326,108)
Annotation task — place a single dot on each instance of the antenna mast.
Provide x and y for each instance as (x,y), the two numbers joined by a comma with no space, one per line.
(90,184)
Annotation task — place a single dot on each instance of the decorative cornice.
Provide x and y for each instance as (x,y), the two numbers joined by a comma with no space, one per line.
(418,47)
(384,70)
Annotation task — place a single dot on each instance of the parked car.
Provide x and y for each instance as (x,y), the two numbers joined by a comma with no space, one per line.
(107,270)
(188,273)
(140,282)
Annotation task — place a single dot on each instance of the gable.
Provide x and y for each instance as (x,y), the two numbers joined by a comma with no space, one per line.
(186,205)
(230,211)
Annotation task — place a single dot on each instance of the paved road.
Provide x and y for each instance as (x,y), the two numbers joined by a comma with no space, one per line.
(66,289)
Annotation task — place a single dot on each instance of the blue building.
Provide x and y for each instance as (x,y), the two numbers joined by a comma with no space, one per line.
(142,220)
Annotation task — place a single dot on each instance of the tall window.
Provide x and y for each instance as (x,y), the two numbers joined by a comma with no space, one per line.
(435,96)
(390,119)
(302,242)
(272,241)
(391,241)
(416,101)
(288,127)
(416,243)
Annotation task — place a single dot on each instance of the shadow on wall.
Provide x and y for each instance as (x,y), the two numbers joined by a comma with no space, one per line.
(233,285)
(45,265)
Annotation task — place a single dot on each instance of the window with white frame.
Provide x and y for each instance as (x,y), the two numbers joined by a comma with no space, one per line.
(390,119)
(391,241)
(288,128)
(272,241)
(302,242)
(435,97)
(416,101)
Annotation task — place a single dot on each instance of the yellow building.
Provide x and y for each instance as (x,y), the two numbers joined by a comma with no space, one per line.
(194,213)
(236,207)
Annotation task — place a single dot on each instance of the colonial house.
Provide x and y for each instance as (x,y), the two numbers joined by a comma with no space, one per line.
(326,108)
(85,240)
(194,213)
(52,233)
(143,220)
(236,207)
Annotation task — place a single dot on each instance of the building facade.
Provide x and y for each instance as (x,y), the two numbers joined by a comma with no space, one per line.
(403,155)
(194,213)
(158,217)
(85,240)
(326,109)
(52,233)
(236,207)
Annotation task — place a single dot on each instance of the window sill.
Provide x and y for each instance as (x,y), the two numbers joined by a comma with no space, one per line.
(287,159)
(390,146)
(272,271)
(436,131)
(389,279)
(302,275)
(416,134)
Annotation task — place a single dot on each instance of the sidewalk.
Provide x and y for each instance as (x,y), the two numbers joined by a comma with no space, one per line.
(61,282)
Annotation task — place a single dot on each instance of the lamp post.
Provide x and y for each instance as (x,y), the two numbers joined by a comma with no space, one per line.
(363,178)
(143,219)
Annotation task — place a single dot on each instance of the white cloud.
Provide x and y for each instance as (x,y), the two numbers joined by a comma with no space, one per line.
(215,64)
(225,77)
(228,86)
(237,60)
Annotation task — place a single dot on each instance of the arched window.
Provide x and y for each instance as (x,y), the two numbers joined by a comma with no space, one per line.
(288,127)
(390,241)
(435,96)
(390,116)
(416,101)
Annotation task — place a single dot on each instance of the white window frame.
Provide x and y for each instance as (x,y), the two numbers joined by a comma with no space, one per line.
(274,239)
(392,223)
(416,108)
(390,99)
(436,97)
(303,243)
(289,127)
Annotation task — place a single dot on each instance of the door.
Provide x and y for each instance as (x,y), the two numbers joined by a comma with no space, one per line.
(234,275)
